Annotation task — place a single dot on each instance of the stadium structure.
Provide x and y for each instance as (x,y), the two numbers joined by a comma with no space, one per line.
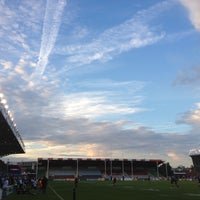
(10,139)
(69,168)
(195,155)
(97,168)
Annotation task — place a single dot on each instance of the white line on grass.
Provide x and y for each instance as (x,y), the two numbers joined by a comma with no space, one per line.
(56,193)
(192,194)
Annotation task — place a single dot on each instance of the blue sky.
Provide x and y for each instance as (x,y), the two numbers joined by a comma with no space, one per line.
(91,78)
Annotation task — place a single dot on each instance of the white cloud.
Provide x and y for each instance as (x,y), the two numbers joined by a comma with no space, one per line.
(174,156)
(96,103)
(193,7)
(93,106)
(131,34)
(84,137)
(6,64)
(114,41)
(191,117)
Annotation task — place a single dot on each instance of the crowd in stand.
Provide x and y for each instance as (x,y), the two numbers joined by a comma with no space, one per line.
(22,185)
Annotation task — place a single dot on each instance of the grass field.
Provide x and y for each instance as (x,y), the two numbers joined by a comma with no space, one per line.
(136,190)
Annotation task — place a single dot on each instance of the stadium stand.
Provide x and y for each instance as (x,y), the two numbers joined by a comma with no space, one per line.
(95,169)
(10,139)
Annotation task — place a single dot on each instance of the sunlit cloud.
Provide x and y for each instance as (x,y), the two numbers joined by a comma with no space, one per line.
(191,117)
(96,103)
(6,64)
(193,7)
(173,156)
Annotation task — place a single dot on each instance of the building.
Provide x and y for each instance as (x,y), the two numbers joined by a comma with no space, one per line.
(195,155)
(97,168)
(10,139)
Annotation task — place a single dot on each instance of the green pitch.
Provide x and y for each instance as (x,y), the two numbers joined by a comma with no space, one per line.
(136,190)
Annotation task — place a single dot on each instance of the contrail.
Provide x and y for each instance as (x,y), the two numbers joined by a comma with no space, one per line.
(52,20)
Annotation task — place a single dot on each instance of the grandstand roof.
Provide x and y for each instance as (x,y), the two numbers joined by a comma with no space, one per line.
(105,159)
(194,152)
(10,139)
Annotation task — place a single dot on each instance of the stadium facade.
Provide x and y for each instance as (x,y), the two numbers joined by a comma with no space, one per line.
(97,168)
(10,139)
(195,155)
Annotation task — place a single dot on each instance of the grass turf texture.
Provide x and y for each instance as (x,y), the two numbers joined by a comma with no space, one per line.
(137,190)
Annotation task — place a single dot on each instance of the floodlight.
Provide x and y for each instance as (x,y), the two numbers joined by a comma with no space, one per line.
(3,101)
(1,95)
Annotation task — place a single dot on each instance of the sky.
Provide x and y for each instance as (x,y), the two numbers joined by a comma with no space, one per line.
(102,79)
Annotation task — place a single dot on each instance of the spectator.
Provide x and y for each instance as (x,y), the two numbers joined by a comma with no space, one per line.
(5,186)
(40,184)
(44,184)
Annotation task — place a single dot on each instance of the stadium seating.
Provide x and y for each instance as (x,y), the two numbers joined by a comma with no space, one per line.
(93,169)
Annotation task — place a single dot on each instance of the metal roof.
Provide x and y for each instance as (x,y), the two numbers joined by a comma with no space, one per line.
(104,159)
(194,152)
(10,139)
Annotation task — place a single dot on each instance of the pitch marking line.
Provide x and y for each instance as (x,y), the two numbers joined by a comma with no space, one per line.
(56,193)
(192,194)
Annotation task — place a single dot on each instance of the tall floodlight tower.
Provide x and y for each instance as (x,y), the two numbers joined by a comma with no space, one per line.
(195,155)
